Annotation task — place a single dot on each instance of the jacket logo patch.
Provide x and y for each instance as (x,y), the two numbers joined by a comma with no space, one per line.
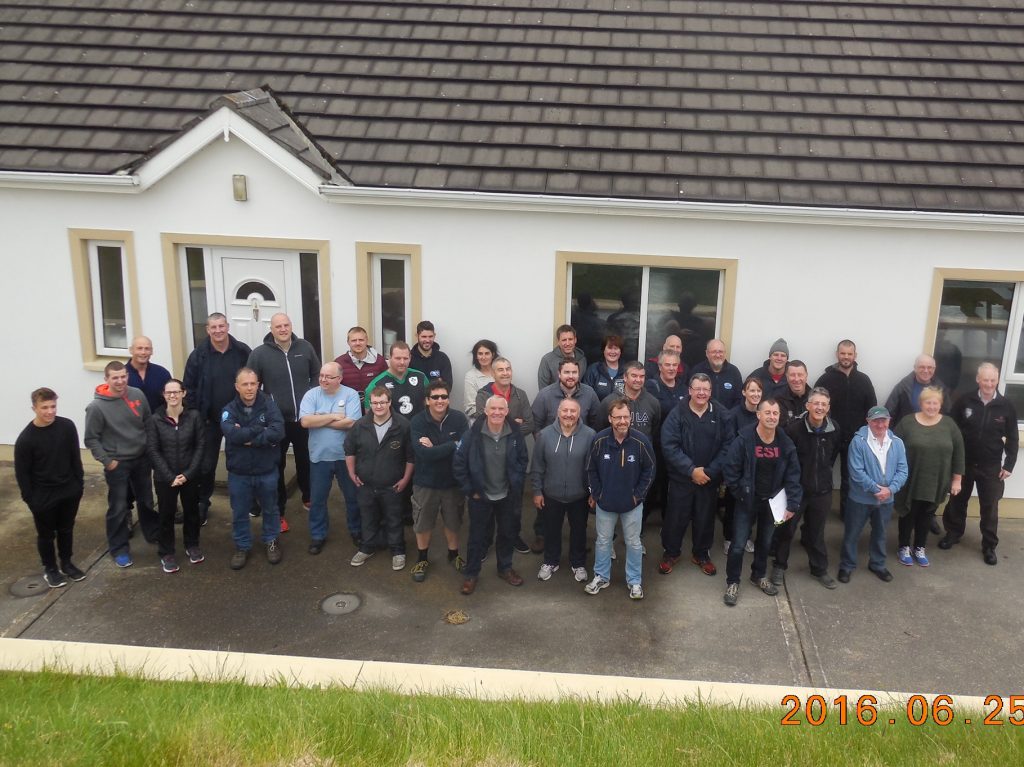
(225,415)
(606,457)
(395,445)
(727,385)
(630,459)
(968,412)
(414,380)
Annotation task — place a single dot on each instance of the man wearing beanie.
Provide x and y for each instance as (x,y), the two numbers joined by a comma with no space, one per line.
(773,374)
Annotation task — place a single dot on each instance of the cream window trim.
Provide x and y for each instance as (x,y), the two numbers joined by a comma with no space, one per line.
(367,254)
(81,243)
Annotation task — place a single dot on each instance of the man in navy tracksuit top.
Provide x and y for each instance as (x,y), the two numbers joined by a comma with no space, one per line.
(620,470)
(253,428)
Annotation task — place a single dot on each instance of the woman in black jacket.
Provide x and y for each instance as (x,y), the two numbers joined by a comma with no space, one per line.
(174,444)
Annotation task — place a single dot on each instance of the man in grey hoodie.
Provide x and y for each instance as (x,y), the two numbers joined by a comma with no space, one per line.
(547,371)
(115,433)
(559,477)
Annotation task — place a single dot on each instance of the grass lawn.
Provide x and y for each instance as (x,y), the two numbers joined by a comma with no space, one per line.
(54,718)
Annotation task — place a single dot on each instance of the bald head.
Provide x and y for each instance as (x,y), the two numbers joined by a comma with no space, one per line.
(140,350)
(924,368)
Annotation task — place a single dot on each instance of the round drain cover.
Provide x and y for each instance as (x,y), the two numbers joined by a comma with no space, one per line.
(340,604)
(29,586)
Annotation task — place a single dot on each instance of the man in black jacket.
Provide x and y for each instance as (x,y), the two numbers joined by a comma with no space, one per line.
(988,421)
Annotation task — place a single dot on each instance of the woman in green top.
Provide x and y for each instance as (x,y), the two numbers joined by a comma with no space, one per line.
(935,452)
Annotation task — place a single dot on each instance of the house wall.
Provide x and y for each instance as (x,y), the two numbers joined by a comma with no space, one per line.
(485,272)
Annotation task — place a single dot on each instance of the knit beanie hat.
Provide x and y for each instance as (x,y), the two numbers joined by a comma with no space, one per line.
(779,346)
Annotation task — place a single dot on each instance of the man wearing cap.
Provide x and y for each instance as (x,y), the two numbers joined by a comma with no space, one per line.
(726,381)
(988,421)
(878,469)
(772,374)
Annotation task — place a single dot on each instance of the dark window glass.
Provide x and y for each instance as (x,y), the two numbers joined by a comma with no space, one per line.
(112,303)
(310,300)
(198,309)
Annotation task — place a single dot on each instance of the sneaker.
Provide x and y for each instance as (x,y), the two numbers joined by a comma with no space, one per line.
(749,546)
(169,564)
(398,562)
(239,558)
(123,560)
(903,555)
(778,575)
(458,563)
(195,555)
(306,505)
(360,558)
(596,585)
(827,581)
(544,574)
(921,557)
(732,592)
(255,513)
(666,564)
(580,574)
(636,591)
(274,552)
(284,525)
(54,578)
(766,585)
(521,546)
(419,571)
(72,572)
(204,516)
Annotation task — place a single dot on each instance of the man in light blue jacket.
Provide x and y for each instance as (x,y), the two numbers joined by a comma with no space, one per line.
(878,469)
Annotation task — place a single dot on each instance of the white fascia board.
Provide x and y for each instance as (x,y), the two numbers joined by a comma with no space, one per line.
(222,125)
(69,182)
(778,214)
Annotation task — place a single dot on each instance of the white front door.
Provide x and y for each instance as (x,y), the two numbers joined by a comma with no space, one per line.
(251,285)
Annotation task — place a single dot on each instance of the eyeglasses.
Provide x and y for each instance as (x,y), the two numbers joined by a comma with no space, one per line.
(382,403)
(438,396)
(328,378)
(173,393)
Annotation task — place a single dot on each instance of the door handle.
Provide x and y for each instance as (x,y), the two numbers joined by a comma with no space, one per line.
(255,302)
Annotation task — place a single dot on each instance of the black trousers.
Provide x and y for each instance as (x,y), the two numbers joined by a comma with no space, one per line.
(208,465)
(814,512)
(990,492)
(688,503)
(844,475)
(381,512)
(167,501)
(917,521)
(56,522)
(553,515)
(296,436)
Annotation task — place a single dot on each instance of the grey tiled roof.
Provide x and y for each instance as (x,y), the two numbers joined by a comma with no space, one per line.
(890,104)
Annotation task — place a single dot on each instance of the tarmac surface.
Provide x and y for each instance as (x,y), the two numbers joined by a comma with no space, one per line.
(951,628)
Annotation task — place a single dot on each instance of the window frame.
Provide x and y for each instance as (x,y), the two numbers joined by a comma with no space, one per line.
(368,257)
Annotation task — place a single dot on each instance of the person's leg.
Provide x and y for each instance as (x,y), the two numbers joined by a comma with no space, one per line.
(507,521)
(480,519)
(391,509)
(728,515)
(990,492)
(140,480)
(604,523)
(784,534)
(300,453)
(66,512)
(46,530)
(763,542)
(167,500)
(453,503)
(905,527)
(321,474)
(117,509)
(426,503)
(208,466)
(348,488)
(631,527)
(954,516)
(578,513)
(281,495)
(816,510)
(854,519)
(553,514)
(844,478)
(188,494)
(675,518)
(880,516)
(240,492)
(371,519)
(705,502)
(267,487)
(923,523)
(743,520)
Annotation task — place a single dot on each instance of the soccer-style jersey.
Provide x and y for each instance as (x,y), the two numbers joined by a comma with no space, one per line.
(407,394)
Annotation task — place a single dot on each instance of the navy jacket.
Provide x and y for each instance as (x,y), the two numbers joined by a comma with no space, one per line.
(197,380)
(740,467)
(469,460)
(683,429)
(726,384)
(251,438)
(620,474)
(434,464)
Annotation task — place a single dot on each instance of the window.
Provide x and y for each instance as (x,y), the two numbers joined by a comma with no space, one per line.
(645,299)
(980,320)
(103,269)
(390,307)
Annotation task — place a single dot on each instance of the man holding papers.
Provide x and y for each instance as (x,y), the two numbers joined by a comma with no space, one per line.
(762,471)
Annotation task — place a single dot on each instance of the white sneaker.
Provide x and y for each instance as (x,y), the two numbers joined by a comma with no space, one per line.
(636,591)
(398,562)
(596,585)
(360,558)
(580,574)
(544,574)
(749,546)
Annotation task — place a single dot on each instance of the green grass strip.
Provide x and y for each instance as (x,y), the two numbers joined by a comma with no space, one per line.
(53,718)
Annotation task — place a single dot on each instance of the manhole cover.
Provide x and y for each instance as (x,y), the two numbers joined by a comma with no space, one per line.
(340,604)
(29,586)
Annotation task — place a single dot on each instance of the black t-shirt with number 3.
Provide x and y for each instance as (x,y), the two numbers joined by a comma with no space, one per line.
(407,395)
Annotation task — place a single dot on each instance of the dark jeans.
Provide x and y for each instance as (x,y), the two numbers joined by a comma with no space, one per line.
(728,514)
(553,515)
(208,466)
(813,511)
(136,473)
(167,498)
(381,510)
(296,436)
(990,491)
(689,502)
(56,521)
(482,515)
(746,516)
(917,521)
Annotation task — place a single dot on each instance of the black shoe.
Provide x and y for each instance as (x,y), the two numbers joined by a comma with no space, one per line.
(239,558)
(521,546)
(274,552)
(948,542)
(936,528)
(72,572)
(54,578)
(883,575)
(843,576)
(204,515)
(315,547)
(989,555)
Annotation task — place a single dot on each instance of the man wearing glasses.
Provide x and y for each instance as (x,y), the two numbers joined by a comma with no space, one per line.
(436,433)
(328,412)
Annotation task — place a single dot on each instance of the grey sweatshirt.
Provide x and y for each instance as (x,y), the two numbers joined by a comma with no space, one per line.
(115,427)
(559,467)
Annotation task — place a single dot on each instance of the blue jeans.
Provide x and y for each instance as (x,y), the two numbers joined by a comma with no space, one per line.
(321,473)
(858,515)
(745,516)
(243,489)
(136,473)
(605,526)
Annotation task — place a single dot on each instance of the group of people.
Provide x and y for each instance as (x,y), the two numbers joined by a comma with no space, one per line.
(614,439)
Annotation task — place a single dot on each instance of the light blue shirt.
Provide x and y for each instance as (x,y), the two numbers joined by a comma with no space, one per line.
(325,443)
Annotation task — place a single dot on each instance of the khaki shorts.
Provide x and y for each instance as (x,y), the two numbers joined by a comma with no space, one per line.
(428,501)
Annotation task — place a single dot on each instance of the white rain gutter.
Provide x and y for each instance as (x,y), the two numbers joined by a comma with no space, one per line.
(74,182)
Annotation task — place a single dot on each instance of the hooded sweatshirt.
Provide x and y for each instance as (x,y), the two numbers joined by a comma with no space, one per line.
(286,375)
(115,427)
(437,365)
(559,467)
